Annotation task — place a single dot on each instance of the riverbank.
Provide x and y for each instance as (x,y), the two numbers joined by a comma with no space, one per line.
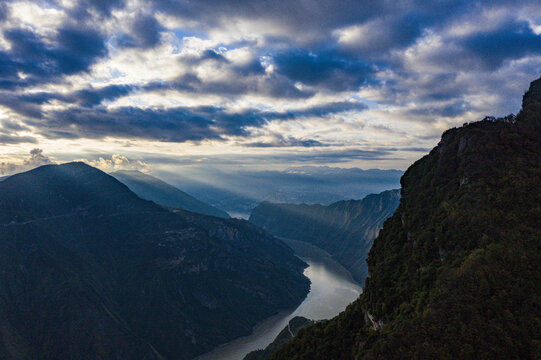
(332,289)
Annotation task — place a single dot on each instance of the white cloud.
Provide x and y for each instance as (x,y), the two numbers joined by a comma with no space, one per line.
(35,159)
(43,19)
(118,162)
(362,35)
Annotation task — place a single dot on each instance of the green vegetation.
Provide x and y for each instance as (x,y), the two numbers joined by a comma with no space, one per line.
(455,273)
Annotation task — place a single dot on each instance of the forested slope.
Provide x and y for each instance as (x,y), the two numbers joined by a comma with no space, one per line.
(456,271)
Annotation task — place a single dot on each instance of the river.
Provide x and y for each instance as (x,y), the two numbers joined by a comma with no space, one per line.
(331,290)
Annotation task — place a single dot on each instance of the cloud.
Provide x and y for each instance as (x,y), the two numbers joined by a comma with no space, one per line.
(177,124)
(35,159)
(4,11)
(30,104)
(27,105)
(302,155)
(513,40)
(10,139)
(144,33)
(92,96)
(381,35)
(118,162)
(271,75)
(233,80)
(278,140)
(84,9)
(453,109)
(13,132)
(32,59)
(327,69)
(174,124)
(301,21)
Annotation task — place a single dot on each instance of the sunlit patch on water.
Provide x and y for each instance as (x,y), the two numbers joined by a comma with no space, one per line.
(331,291)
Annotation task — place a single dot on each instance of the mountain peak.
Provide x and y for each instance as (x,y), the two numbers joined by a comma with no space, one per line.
(529,116)
(53,190)
(533,95)
(79,250)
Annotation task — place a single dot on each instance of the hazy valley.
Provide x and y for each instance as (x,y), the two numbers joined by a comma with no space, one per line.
(270,180)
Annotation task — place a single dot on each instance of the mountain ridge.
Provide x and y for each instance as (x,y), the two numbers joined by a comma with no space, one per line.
(90,270)
(151,188)
(456,271)
(345,229)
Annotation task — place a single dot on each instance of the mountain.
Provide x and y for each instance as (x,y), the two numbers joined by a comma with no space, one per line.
(88,270)
(238,191)
(151,188)
(345,229)
(292,328)
(455,273)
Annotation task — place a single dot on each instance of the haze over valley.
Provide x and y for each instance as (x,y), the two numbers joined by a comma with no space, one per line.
(270,180)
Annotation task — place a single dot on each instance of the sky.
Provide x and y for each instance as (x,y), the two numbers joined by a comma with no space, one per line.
(163,84)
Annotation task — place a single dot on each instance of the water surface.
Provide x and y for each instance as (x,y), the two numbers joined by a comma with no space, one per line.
(332,289)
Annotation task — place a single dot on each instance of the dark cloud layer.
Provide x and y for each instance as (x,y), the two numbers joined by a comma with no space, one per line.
(289,141)
(144,33)
(84,9)
(92,97)
(326,69)
(4,11)
(511,41)
(241,82)
(73,50)
(177,124)
(310,16)
(30,104)
(425,58)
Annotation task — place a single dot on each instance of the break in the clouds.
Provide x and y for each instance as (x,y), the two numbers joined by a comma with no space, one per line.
(355,82)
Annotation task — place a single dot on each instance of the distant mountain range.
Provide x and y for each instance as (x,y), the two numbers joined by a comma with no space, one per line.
(455,273)
(345,229)
(238,192)
(88,270)
(151,188)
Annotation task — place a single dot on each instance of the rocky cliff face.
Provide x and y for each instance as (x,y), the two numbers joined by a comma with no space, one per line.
(88,270)
(345,229)
(455,273)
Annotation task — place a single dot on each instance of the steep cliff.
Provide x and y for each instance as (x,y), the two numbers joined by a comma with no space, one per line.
(455,273)
(345,229)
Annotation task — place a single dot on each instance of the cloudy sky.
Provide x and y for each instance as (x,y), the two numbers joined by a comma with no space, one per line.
(254,84)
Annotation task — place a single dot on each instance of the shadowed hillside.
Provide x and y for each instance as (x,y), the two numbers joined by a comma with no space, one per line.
(345,229)
(151,188)
(292,329)
(455,273)
(90,270)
